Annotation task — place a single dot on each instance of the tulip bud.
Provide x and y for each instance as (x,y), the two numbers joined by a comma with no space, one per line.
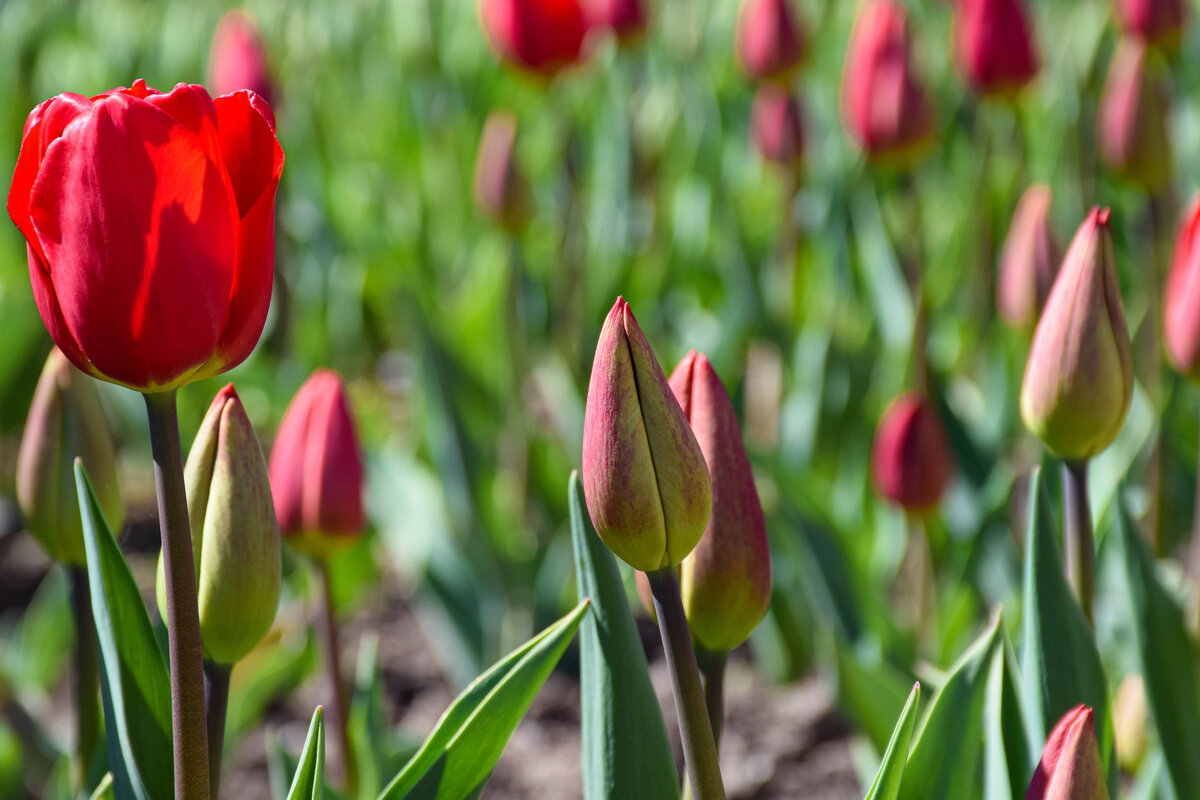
(776,127)
(1131,723)
(239,59)
(1029,260)
(1070,768)
(65,422)
(884,106)
(1132,120)
(726,580)
(540,37)
(1158,22)
(627,19)
(770,43)
(1181,302)
(911,460)
(644,478)
(994,46)
(1079,377)
(235,541)
(316,469)
(500,189)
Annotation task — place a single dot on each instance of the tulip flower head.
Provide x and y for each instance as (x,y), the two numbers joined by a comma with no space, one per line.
(627,19)
(316,468)
(911,460)
(726,580)
(1181,301)
(235,541)
(1079,378)
(539,37)
(65,422)
(770,42)
(239,58)
(150,223)
(1029,260)
(1070,768)
(777,128)
(1132,120)
(884,106)
(993,43)
(500,189)
(644,476)
(1157,22)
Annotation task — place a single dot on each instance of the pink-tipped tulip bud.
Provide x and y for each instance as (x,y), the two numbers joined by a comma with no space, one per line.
(1070,768)
(539,37)
(726,580)
(1131,723)
(1181,303)
(644,477)
(235,541)
(1132,121)
(993,43)
(316,469)
(1029,260)
(770,41)
(777,128)
(884,106)
(911,460)
(627,19)
(1158,22)
(1079,377)
(65,422)
(501,192)
(239,59)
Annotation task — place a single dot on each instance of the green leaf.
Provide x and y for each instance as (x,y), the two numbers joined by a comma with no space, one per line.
(891,771)
(459,755)
(104,791)
(1007,759)
(872,694)
(626,752)
(1060,665)
(1169,663)
(308,783)
(134,682)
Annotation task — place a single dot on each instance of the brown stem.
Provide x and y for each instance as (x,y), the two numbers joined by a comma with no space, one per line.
(335,710)
(1079,546)
(86,678)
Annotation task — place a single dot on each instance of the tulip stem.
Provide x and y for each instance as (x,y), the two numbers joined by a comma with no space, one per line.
(217,681)
(1077,532)
(699,746)
(712,670)
(1193,560)
(86,676)
(183,620)
(336,707)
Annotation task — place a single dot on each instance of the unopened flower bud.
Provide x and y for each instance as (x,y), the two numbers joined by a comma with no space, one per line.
(777,128)
(770,42)
(539,37)
(65,422)
(644,477)
(994,46)
(1029,260)
(1079,378)
(500,189)
(239,59)
(1132,121)
(627,19)
(911,460)
(1181,301)
(1158,22)
(1131,723)
(1070,768)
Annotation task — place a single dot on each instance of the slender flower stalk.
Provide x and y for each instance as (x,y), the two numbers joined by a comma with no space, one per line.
(712,669)
(335,709)
(86,675)
(1079,547)
(216,704)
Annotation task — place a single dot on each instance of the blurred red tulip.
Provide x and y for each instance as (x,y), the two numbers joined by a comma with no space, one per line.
(770,42)
(1181,301)
(542,37)
(911,459)
(993,43)
(884,106)
(1029,260)
(776,126)
(239,59)
(1132,122)
(1070,768)
(150,223)
(627,19)
(1159,22)
(500,189)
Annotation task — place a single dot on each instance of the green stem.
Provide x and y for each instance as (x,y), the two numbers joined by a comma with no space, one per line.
(1193,558)
(86,676)
(699,746)
(335,709)
(183,620)
(712,669)
(1077,531)
(217,701)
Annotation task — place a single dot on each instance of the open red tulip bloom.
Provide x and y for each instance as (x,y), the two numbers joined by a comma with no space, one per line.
(150,222)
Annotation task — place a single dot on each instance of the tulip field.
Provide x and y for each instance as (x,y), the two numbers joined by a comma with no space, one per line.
(600,400)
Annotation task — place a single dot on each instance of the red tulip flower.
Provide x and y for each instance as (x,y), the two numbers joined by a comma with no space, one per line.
(316,468)
(884,106)
(776,126)
(911,459)
(994,46)
(627,19)
(150,223)
(499,187)
(541,37)
(1181,302)
(1132,121)
(239,59)
(1029,261)
(1070,768)
(1158,22)
(770,43)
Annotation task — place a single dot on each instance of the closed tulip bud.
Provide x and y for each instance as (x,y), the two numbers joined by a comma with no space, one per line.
(911,461)
(235,541)
(1181,302)
(777,128)
(1159,22)
(65,422)
(770,42)
(1132,121)
(993,44)
(1029,260)
(884,106)
(644,477)
(316,469)
(627,19)
(539,37)
(1079,377)
(500,189)
(726,580)
(1070,768)
(239,59)
(1131,723)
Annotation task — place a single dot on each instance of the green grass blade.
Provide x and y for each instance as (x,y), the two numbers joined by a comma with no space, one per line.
(891,771)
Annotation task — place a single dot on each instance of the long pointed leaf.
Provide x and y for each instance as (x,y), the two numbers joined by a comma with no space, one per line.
(309,781)
(1007,759)
(891,770)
